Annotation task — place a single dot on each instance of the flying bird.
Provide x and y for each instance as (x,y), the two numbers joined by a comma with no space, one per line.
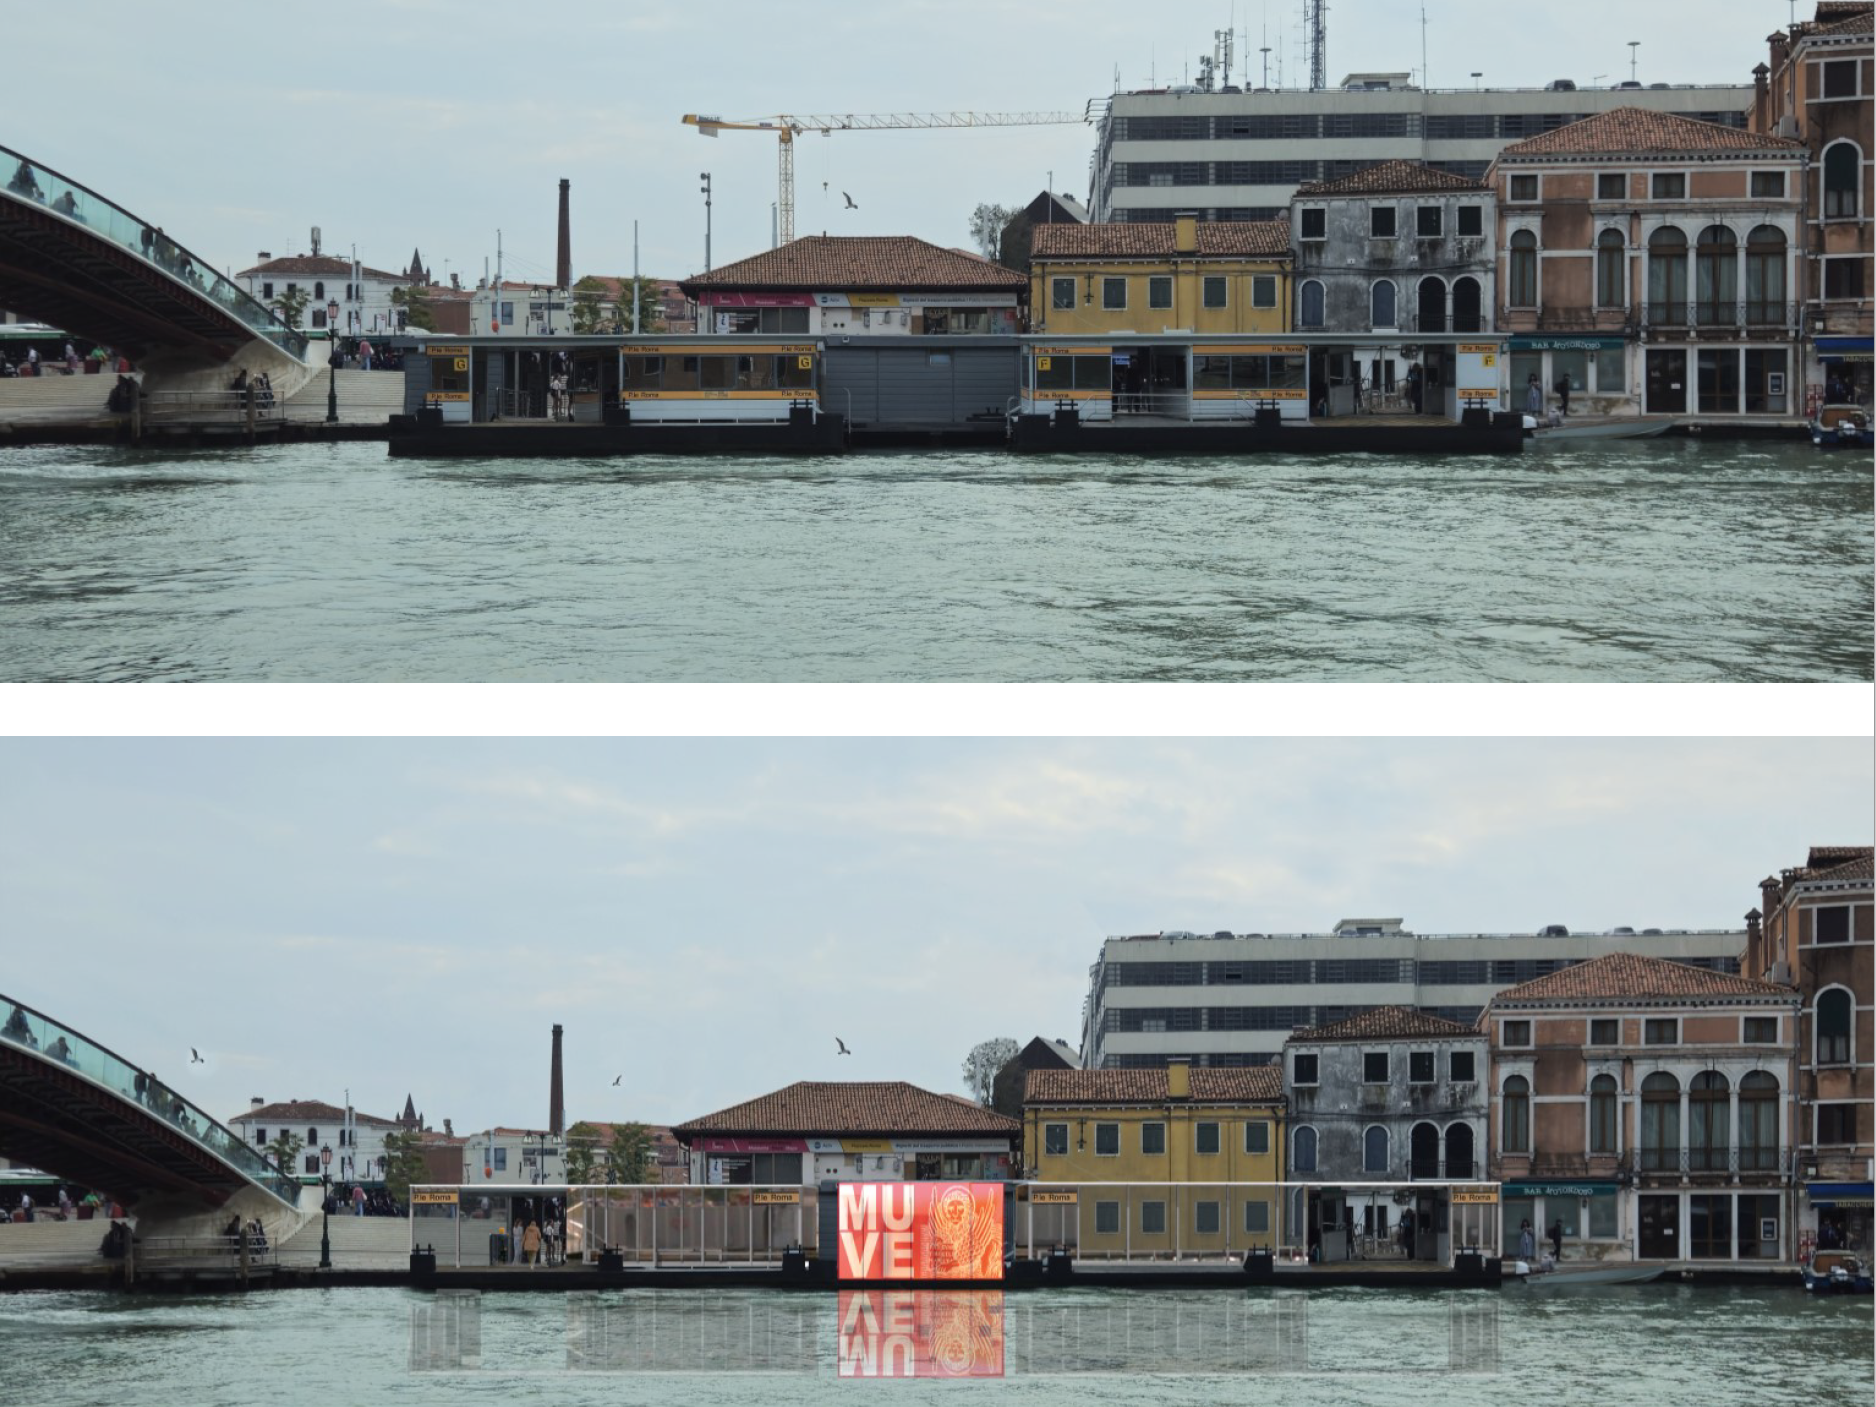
(849,200)
(617,1078)
(843,1046)
(195,1057)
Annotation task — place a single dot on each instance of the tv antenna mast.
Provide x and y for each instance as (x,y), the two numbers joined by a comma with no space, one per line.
(1318,44)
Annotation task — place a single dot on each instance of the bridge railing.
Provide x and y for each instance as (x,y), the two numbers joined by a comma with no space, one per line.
(36,1031)
(61,195)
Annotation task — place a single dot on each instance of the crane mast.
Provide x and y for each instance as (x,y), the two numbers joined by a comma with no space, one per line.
(786,126)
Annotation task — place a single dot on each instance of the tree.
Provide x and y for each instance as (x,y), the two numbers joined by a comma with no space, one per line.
(416,305)
(583,1150)
(291,304)
(628,1156)
(589,313)
(987,222)
(982,1064)
(285,1151)
(403,1163)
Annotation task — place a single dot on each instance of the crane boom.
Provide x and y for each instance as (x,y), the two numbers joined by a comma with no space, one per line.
(786,125)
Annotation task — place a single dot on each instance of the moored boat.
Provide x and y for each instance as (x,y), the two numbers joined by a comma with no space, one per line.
(1598,430)
(1549,1275)
(1836,1273)
(1842,427)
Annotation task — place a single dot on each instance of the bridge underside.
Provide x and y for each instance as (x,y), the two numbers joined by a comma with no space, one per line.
(59,273)
(55,1119)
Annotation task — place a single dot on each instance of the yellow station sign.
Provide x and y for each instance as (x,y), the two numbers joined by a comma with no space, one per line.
(433,1197)
(1056,1199)
(778,1199)
(1475,1196)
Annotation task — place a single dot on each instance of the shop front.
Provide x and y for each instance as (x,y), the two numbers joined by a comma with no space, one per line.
(1588,1212)
(1842,1211)
(1845,364)
(1598,368)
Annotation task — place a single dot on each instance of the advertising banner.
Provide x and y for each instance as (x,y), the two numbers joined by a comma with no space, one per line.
(907,1334)
(921,1230)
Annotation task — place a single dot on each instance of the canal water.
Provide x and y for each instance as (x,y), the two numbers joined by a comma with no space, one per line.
(1650,1346)
(1644,561)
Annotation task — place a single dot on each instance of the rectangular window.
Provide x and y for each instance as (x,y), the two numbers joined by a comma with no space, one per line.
(1264,291)
(1605,1031)
(1523,188)
(312,1162)
(1429,221)
(1374,1067)
(1381,221)
(260,1136)
(1061,293)
(1668,185)
(1843,278)
(1153,1139)
(1315,224)
(1420,1067)
(498,1159)
(1516,1033)
(1836,1123)
(1761,1030)
(1602,1221)
(1768,185)
(1840,78)
(1471,221)
(1206,1135)
(1215,291)
(1153,1218)
(1460,1064)
(1205,1218)
(1665,1030)
(1304,1069)
(1055,1140)
(267,290)
(1159,291)
(1611,185)
(1831,925)
(1257,1217)
(1107,1140)
(1114,293)
(1257,1137)
(1107,1218)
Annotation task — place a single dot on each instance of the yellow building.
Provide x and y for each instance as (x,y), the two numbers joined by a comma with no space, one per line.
(1188,276)
(1149,1158)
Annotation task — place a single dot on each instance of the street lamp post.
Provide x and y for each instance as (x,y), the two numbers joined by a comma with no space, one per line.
(704,176)
(332,392)
(325,1207)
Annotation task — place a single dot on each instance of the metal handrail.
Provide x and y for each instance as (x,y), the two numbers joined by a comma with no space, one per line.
(36,1031)
(108,220)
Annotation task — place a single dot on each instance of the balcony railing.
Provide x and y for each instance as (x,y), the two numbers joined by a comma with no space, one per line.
(1684,1162)
(1748,313)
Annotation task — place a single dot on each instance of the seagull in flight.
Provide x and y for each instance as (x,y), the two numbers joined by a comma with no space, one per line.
(195,1057)
(617,1078)
(843,1046)
(849,200)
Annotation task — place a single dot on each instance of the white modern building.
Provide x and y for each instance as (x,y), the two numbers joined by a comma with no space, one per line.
(362,292)
(1240,154)
(356,1139)
(1228,999)
(505,1155)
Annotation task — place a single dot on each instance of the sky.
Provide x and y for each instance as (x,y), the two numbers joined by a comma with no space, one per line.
(431,124)
(705,916)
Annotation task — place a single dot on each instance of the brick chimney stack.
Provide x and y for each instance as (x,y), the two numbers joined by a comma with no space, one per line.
(556,1102)
(563,265)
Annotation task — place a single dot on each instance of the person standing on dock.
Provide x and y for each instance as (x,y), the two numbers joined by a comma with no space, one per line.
(531,1244)
(1527,1243)
(1563,392)
(1556,1239)
(1534,397)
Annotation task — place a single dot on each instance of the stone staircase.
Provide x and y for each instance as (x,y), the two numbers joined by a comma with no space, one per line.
(365,397)
(45,1242)
(358,1242)
(57,400)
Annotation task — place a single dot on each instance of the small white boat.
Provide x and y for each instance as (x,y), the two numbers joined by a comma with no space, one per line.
(1599,430)
(1548,1274)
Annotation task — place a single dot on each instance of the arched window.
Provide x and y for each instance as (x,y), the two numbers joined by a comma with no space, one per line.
(1667,276)
(1843,163)
(1374,1149)
(1602,1107)
(1833,1027)
(1716,276)
(1432,305)
(1611,269)
(1381,304)
(1523,270)
(1459,1150)
(1765,277)
(1758,1122)
(1661,1123)
(1517,1115)
(1423,1151)
(1303,1149)
(1467,306)
(1310,305)
(1709,1123)
(319,291)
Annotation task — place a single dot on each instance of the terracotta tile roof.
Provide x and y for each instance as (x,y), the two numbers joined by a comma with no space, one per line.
(1844,17)
(1629,130)
(318,264)
(1216,238)
(1253,1084)
(1392,177)
(1386,1023)
(807,1108)
(1836,862)
(834,262)
(1620,977)
(304,1111)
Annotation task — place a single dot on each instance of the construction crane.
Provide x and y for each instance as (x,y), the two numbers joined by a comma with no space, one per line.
(786,126)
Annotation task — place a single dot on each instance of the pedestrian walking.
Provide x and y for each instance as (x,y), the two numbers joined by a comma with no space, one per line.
(531,1244)
(358,1201)
(364,355)
(1556,1239)
(1563,392)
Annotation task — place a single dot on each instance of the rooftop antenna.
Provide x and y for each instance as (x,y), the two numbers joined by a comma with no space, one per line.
(1426,80)
(1633,45)
(1318,45)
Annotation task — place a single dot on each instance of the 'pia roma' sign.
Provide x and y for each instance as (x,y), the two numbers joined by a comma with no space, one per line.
(921,1230)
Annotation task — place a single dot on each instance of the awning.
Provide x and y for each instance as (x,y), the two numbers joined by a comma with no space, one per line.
(1846,349)
(1839,1194)
(1559,1189)
(1567,344)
